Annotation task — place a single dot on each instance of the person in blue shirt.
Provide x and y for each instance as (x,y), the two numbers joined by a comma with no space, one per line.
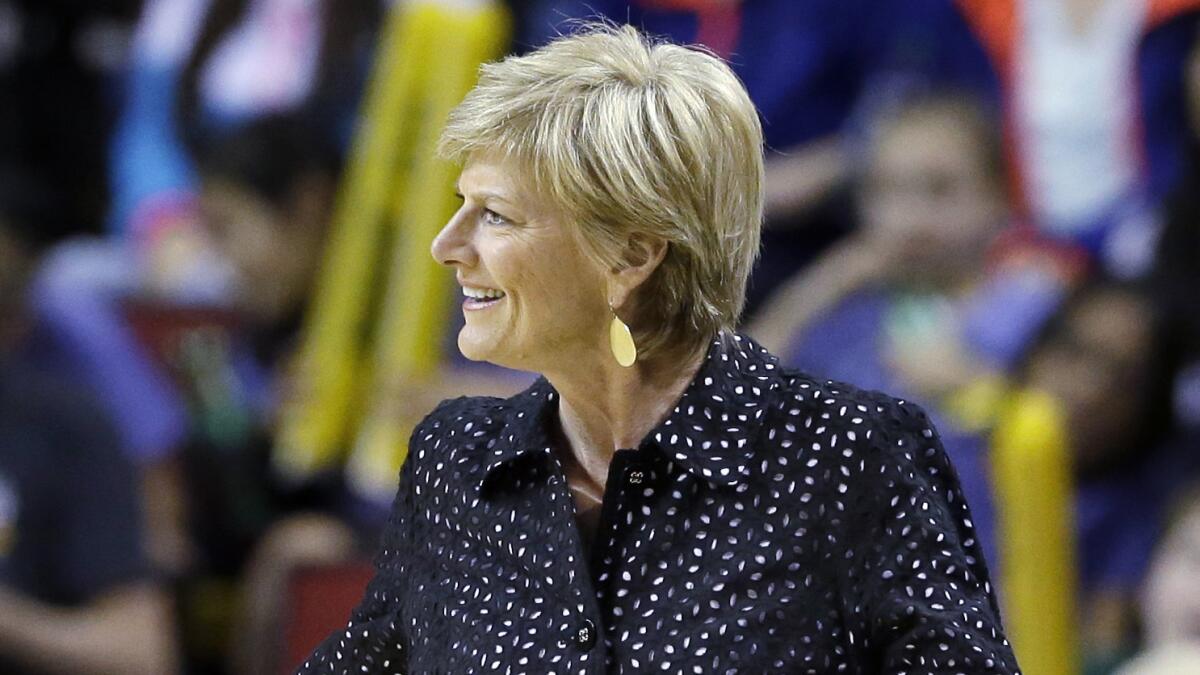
(923,299)
(77,593)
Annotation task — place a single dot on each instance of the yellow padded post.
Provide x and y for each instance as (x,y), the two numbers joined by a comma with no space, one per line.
(1031,466)
(328,373)
(416,310)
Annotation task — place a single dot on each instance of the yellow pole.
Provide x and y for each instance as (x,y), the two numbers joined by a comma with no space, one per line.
(417,304)
(314,424)
(1031,467)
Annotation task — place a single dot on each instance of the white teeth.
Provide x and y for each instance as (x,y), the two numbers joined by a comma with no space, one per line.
(482,293)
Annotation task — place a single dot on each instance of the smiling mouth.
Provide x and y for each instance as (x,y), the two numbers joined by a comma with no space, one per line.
(481,298)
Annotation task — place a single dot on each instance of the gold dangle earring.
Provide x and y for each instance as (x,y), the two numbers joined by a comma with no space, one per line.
(620,340)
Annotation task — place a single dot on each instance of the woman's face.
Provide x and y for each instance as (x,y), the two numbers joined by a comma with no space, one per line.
(533,299)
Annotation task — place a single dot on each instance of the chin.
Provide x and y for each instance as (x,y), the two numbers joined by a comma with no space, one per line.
(471,348)
(494,350)
(481,346)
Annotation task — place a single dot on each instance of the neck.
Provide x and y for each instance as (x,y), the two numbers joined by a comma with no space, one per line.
(604,407)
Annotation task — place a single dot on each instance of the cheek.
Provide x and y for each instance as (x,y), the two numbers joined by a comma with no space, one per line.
(299,254)
(972,218)
(889,214)
(554,273)
(250,248)
(1060,376)
(556,296)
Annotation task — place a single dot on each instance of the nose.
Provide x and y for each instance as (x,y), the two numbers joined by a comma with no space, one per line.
(452,246)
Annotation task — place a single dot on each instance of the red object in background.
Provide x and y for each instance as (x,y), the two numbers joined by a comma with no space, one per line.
(163,328)
(319,601)
(719,22)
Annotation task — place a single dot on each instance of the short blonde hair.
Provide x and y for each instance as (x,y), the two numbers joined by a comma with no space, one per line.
(631,136)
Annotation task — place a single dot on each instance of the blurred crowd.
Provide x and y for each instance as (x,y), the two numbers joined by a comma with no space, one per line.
(991,207)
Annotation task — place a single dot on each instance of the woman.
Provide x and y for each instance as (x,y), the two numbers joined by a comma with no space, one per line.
(665,497)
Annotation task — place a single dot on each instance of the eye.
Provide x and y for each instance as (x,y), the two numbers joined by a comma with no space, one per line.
(490,217)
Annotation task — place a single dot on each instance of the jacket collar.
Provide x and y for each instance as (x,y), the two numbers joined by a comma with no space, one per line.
(711,432)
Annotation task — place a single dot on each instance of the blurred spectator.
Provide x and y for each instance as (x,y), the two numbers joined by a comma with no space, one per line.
(203,66)
(265,199)
(1176,275)
(193,387)
(1176,659)
(1103,360)
(924,301)
(1170,598)
(1170,603)
(95,297)
(76,591)
(58,62)
(1094,114)
(164,252)
(266,191)
(812,67)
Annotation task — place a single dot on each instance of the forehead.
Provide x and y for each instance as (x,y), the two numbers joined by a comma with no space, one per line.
(501,175)
(1114,316)
(500,182)
(932,137)
(1113,326)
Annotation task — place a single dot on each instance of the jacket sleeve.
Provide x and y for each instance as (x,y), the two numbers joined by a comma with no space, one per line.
(916,583)
(374,640)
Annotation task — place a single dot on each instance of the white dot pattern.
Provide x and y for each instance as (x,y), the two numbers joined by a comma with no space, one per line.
(772,523)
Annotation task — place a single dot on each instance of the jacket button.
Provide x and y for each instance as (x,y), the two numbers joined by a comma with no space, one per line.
(636,477)
(585,635)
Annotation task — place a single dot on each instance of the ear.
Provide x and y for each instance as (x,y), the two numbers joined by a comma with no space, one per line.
(642,256)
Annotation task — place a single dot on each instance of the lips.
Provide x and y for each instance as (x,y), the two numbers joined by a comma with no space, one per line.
(479,297)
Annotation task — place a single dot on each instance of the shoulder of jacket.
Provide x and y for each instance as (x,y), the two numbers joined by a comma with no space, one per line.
(804,395)
(461,411)
(800,385)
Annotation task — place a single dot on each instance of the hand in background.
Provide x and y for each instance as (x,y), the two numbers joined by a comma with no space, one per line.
(924,347)
(845,268)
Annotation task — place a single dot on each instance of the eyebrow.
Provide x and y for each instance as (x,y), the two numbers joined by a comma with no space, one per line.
(498,196)
(486,194)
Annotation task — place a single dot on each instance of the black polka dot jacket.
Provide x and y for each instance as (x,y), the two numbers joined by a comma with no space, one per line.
(771,524)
